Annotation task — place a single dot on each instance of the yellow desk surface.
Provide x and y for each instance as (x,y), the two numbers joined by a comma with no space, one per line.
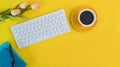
(99,47)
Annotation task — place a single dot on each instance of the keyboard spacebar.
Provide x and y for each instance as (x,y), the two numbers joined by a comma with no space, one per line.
(41,38)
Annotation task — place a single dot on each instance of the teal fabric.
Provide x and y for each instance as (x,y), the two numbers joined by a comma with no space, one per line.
(5,59)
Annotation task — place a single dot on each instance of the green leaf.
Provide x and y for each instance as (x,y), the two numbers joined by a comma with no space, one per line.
(5,11)
(2,19)
(23,16)
(0,15)
(28,8)
(12,17)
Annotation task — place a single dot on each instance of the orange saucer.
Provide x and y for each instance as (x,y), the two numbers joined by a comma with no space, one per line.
(75,22)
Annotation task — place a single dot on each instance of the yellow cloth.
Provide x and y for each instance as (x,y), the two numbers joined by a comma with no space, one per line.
(98,47)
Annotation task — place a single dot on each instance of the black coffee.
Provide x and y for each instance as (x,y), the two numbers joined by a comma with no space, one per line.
(86,17)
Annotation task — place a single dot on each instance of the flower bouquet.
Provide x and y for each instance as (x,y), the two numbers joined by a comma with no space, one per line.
(17,11)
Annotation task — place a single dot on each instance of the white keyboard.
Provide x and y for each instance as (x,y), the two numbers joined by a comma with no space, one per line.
(40,29)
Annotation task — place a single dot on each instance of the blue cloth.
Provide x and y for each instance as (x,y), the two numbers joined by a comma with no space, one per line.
(5,59)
